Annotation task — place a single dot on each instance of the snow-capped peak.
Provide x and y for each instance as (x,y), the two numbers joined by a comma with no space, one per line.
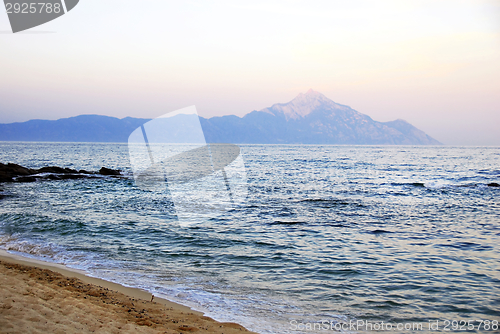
(302,105)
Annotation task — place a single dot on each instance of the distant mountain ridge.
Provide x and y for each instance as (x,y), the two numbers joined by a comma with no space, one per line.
(310,118)
(83,128)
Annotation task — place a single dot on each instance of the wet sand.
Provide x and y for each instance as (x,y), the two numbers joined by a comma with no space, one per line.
(40,297)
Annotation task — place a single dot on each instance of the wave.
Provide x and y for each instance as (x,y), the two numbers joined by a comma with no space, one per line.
(47,252)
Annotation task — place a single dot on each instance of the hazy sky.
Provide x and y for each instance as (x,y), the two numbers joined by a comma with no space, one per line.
(433,63)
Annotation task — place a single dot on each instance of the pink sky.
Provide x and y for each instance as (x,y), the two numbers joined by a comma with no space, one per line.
(433,63)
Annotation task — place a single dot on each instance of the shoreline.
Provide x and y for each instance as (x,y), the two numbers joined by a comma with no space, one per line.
(121,295)
(81,275)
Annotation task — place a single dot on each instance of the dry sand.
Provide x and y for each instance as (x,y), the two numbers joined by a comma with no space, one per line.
(34,299)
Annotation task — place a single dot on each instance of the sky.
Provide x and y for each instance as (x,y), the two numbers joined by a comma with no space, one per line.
(435,64)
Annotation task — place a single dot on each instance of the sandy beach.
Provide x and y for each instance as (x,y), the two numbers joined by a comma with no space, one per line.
(39,297)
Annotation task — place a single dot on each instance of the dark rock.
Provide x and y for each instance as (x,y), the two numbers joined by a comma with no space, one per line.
(70,171)
(49,169)
(25,179)
(16,173)
(58,170)
(493,184)
(108,171)
(9,171)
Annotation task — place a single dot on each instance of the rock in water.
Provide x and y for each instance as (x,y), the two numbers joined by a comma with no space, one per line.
(9,171)
(16,173)
(54,169)
(108,171)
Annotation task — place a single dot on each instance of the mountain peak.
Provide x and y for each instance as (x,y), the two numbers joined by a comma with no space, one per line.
(302,105)
(310,118)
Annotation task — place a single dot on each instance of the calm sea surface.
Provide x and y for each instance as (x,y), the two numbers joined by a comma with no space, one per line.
(327,235)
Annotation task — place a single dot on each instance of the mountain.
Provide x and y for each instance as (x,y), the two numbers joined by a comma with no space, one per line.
(310,118)
(83,128)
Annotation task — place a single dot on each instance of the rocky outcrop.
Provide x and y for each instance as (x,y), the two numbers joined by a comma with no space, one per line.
(110,172)
(16,173)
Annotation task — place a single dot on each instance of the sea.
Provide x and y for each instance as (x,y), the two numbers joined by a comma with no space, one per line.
(328,239)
